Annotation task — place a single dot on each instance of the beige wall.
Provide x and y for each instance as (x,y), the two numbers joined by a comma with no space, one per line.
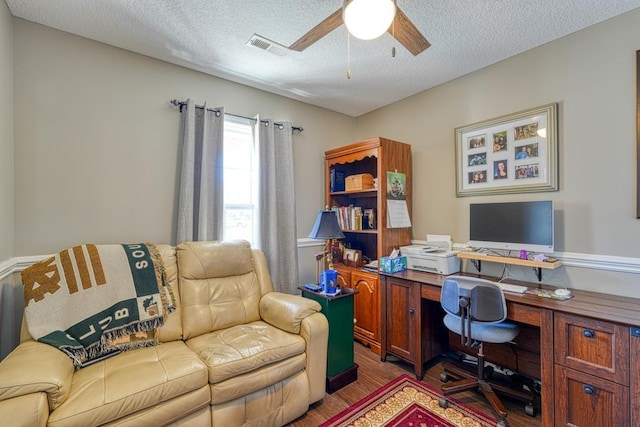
(96,142)
(8,300)
(6,133)
(591,74)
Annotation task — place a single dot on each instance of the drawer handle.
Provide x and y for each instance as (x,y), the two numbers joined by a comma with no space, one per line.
(411,311)
(589,390)
(589,333)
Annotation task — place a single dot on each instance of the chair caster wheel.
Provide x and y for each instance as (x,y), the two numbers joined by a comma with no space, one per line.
(530,410)
(442,401)
(444,377)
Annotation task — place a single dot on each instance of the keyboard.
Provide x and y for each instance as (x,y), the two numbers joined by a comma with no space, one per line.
(508,287)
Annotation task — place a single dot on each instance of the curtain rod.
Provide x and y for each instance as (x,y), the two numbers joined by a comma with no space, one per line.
(180,104)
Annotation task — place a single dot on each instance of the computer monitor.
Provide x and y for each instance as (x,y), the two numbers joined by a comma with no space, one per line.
(512,226)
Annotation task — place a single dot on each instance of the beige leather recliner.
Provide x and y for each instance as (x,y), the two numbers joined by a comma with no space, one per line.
(234,353)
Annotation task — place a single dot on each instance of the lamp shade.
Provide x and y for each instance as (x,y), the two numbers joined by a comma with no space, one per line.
(368,19)
(326,227)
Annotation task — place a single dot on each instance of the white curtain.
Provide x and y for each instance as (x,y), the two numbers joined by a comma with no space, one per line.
(278,237)
(201,203)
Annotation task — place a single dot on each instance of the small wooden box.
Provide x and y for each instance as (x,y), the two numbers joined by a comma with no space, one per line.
(363,181)
(352,257)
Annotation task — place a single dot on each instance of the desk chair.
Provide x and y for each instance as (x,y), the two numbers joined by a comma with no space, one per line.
(476,310)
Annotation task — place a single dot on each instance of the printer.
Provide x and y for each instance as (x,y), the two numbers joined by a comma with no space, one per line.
(431,258)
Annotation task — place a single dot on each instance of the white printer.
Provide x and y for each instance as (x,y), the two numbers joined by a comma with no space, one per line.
(436,258)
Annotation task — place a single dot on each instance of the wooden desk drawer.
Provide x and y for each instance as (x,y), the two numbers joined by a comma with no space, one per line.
(523,313)
(583,400)
(430,292)
(595,347)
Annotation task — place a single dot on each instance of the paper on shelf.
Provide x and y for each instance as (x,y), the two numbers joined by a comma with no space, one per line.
(442,241)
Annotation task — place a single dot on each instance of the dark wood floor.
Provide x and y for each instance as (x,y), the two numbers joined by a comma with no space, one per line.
(373,374)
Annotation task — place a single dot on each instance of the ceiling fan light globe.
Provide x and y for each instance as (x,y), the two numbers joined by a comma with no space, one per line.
(368,19)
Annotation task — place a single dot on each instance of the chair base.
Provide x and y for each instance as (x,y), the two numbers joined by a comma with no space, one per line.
(468,381)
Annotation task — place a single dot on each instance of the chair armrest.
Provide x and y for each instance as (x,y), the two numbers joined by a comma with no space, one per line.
(315,331)
(34,367)
(286,311)
(28,410)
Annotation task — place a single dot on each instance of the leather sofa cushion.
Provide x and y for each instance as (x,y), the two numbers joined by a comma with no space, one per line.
(220,285)
(244,348)
(130,382)
(262,380)
(205,260)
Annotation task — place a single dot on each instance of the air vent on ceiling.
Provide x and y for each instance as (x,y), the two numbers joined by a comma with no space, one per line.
(266,44)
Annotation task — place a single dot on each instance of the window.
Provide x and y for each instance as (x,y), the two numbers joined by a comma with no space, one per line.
(240,180)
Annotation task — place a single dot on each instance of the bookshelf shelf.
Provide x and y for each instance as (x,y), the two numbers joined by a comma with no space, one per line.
(356,193)
(370,231)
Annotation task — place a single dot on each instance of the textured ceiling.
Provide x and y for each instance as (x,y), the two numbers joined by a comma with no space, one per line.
(211,36)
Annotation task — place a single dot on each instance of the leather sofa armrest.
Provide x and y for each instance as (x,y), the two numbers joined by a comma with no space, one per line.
(34,367)
(299,315)
(286,311)
(28,410)
(315,331)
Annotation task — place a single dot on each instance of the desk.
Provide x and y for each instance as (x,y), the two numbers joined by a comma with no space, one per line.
(589,345)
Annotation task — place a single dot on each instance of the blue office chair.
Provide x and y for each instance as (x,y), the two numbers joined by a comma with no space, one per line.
(476,310)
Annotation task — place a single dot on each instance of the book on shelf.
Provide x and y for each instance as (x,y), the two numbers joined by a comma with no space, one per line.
(350,217)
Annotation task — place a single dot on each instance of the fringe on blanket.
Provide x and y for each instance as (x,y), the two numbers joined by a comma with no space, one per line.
(166,293)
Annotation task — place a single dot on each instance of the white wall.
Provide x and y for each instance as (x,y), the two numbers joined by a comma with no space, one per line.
(96,143)
(591,74)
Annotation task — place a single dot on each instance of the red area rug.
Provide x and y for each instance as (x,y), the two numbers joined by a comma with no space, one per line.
(406,401)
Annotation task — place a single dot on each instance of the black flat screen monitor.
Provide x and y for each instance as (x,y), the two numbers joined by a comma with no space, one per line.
(512,226)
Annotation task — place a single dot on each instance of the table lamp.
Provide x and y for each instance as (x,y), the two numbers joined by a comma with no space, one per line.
(325,228)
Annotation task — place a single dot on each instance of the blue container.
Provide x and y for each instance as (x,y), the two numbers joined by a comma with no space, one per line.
(328,280)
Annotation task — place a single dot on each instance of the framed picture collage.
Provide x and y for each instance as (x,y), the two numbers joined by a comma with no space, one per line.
(515,153)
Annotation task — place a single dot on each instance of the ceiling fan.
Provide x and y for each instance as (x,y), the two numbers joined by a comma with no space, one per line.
(398,25)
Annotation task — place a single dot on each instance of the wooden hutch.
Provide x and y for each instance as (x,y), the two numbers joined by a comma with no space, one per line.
(375,157)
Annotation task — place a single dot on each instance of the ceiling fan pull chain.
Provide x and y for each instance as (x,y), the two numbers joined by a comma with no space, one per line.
(348,56)
(393,33)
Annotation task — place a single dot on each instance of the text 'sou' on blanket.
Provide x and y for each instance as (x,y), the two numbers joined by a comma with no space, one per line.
(93,301)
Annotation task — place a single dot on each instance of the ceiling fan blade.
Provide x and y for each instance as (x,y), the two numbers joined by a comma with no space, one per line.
(319,31)
(407,33)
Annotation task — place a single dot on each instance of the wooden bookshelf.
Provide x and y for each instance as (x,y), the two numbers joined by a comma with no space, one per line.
(375,157)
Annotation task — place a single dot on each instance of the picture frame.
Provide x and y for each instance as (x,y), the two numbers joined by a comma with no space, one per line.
(515,153)
(638,134)
(352,257)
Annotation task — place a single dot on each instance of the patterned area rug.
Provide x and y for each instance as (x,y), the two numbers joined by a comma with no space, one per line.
(407,402)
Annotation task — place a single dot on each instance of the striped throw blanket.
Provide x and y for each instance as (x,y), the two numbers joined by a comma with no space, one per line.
(94,301)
